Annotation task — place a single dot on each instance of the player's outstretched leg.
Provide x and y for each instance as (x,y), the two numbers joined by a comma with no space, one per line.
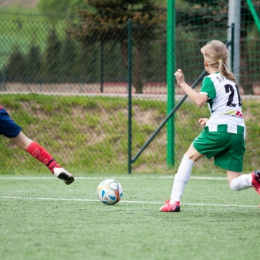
(37,151)
(256,181)
(171,207)
(43,156)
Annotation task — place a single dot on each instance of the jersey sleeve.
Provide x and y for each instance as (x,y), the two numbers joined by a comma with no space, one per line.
(208,88)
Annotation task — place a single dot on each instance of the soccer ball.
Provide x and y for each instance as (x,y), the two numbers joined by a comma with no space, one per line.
(109,191)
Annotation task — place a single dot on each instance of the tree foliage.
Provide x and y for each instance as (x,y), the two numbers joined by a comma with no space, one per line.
(213,12)
(67,7)
(108,22)
(16,65)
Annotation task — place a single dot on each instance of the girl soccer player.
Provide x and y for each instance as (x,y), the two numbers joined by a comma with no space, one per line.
(224,132)
(12,131)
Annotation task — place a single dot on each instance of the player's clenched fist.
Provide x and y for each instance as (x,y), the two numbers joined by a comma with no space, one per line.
(179,76)
(203,121)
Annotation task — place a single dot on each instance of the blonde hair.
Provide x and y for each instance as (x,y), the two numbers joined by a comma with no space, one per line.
(215,54)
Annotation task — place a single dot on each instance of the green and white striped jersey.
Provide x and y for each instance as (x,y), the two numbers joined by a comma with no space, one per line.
(224,103)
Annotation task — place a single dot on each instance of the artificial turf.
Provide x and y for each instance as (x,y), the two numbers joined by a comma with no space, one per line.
(42,218)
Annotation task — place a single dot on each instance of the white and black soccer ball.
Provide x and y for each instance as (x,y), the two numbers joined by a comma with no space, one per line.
(109,191)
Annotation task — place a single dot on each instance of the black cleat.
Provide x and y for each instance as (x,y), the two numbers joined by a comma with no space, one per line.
(62,174)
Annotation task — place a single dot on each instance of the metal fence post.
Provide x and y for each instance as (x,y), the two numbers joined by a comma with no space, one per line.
(234,17)
(232,46)
(254,14)
(129,80)
(170,81)
(101,66)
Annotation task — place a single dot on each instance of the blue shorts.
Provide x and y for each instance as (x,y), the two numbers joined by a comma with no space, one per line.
(8,127)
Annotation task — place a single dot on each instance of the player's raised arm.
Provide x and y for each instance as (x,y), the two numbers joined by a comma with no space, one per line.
(198,98)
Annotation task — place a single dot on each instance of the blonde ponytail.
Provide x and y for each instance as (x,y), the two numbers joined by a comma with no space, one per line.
(216,55)
(223,70)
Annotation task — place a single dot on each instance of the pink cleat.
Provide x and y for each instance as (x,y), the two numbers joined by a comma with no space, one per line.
(171,207)
(256,181)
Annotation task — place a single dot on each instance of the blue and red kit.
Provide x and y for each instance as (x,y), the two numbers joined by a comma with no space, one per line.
(8,127)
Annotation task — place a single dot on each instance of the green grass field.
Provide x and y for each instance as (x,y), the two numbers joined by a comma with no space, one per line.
(41,218)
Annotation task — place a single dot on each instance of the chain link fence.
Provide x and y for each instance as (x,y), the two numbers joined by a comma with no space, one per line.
(69,93)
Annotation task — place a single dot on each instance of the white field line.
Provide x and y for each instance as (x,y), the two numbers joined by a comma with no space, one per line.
(125,201)
(198,178)
(114,177)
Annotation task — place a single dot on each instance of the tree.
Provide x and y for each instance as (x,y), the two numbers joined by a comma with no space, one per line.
(68,58)
(16,65)
(52,56)
(33,68)
(108,22)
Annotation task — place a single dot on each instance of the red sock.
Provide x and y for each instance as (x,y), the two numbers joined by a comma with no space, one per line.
(42,155)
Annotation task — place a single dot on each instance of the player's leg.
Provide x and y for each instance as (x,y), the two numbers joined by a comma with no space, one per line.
(38,152)
(183,174)
(232,160)
(22,141)
(238,181)
(11,130)
(205,144)
(181,179)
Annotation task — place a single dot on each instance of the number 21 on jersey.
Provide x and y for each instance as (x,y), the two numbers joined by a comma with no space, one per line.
(231,89)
